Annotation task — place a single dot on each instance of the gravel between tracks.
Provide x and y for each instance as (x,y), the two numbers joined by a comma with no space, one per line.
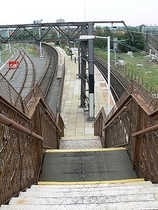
(39,69)
(40,66)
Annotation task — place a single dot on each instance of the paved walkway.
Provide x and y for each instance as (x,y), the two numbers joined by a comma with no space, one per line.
(75,118)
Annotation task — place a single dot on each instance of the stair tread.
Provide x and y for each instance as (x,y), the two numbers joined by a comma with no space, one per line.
(81,193)
(119,183)
(87,199)
(133,195)
(80,142)
(110,206)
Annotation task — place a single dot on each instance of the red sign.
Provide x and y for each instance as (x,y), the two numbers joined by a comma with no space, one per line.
(13,64)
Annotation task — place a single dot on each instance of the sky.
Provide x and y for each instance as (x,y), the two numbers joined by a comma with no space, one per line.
(132,12)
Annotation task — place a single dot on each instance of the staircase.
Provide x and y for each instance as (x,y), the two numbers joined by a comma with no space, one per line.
(94,196)
(77,177)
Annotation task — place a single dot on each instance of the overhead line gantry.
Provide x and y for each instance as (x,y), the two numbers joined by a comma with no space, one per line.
(70,31)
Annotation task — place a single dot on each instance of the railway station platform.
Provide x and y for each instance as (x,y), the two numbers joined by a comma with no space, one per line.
(81,157)
(76,118)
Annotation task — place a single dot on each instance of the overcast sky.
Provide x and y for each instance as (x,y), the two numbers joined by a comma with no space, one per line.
(133,12)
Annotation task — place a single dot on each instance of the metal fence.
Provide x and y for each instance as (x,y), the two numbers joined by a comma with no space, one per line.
(20,153)
(27,128)
(10,94)
(136,112)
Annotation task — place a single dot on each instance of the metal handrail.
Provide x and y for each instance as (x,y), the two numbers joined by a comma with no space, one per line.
(146,130)
(5,120)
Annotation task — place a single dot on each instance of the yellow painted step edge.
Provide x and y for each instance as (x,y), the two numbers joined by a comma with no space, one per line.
(84,150)
(92,182)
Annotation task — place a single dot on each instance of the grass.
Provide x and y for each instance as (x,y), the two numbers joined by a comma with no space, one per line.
(147,74)
(6,53)
(30,48)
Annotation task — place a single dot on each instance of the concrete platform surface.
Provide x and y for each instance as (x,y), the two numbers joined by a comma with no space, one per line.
(75,118)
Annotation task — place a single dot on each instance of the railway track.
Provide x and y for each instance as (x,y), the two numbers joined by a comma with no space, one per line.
(153,43)
(118,84)
(26,76)
(22,77)
(30,72)
(50,84)
(47,79)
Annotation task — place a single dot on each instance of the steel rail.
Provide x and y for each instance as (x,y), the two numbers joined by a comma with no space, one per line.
(116,86)
(27,71)
(16,59)
(48,76)
(153,43)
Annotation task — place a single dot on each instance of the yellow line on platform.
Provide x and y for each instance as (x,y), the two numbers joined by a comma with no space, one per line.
(85,150)
(92,182)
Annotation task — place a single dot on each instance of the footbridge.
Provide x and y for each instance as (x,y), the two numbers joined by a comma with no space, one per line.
(38,148)
(66,161)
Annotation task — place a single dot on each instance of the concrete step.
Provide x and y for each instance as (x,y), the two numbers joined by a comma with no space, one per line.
(80,142)
(74,198)
(110,196)
(129,183)
(92,190)
(47,194)
(143,205)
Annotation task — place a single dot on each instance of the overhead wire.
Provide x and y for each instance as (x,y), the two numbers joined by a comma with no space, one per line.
(139,32)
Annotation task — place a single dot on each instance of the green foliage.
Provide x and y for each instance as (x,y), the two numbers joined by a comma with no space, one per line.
(133,41)
(147,75)
(101,31)
(127,41)
(137,42)
(6,54)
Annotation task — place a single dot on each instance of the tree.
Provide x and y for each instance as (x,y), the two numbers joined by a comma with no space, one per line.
(134,41)
(101,31)
(131,40)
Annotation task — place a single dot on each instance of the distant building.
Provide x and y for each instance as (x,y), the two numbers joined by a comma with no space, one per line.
(60,20)
(37,21)
(150,28)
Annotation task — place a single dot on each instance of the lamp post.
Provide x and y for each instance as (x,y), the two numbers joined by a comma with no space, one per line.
(41,55)
(39,34)
(0,56)
(8,47)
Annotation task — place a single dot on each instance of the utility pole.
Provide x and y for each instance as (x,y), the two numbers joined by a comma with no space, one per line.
(115,48)
(0,56)
(39,34)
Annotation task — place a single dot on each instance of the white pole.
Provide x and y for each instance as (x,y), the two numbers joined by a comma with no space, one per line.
(108,50)
(84,10)
(41,56)
(0,56)
(9,48)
